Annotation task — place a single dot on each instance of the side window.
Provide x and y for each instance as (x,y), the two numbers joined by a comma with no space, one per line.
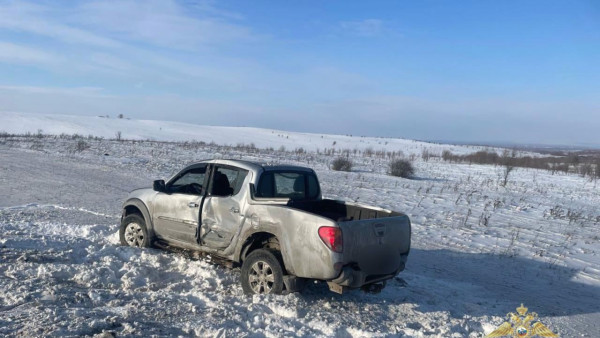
(227,181)
(265,186)
(191,182)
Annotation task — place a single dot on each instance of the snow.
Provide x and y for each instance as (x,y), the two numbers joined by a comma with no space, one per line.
(21,123)
(479,249)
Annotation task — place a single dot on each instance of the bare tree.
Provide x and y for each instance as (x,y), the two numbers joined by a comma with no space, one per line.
(507,161)
(118,135)
(426,155)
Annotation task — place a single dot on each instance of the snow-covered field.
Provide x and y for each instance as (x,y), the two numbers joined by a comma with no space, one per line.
(479,249)
(21,123)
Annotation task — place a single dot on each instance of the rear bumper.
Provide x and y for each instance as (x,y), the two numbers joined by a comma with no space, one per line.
(353,277)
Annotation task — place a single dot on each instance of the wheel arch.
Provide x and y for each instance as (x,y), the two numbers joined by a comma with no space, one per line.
(136,206)
(263,240)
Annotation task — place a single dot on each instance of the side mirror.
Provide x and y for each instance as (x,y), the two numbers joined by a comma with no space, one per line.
(159,185)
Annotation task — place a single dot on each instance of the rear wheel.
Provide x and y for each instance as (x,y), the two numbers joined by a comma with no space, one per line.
(262,273)
(133,232)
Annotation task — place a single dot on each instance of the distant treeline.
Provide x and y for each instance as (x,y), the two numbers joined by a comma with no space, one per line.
(586,166)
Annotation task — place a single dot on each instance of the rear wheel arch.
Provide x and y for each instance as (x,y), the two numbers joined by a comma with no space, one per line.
(262,240)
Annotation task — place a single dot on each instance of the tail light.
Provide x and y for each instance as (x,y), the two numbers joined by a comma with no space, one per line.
(332,237)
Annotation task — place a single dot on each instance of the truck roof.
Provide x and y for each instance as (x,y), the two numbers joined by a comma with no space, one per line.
(255,166)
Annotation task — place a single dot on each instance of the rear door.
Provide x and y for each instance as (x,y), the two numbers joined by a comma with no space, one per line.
(223,208)
(177,211)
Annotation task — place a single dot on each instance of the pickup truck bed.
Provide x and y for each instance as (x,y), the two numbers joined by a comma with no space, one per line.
(376,241)
(340,211)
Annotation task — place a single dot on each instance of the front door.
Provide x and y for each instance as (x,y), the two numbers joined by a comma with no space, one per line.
(222,213)
(177,211)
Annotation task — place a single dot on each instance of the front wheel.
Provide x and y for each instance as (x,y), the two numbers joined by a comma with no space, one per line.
(262,273)
(133,232)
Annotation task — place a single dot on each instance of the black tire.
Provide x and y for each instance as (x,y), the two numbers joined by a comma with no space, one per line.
(262,273)
(133,232)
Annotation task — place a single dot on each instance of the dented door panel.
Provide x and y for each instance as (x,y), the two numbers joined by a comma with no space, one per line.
(223,216)
(220,220)
(176,216)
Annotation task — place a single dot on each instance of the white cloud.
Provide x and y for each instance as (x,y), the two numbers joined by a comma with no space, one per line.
(70,91)
(161,23)
(364,28)
(112,24)
(117,40)
(20,54)
(109,62)
(36,19)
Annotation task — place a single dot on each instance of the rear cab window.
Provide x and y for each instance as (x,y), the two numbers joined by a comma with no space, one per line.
(296,185)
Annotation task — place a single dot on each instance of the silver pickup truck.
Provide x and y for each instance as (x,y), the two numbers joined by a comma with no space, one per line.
(273,221)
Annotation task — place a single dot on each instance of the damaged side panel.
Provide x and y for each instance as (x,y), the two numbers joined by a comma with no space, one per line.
(304,254)
(176,216)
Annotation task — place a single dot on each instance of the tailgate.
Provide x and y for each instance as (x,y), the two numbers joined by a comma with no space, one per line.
(376,246)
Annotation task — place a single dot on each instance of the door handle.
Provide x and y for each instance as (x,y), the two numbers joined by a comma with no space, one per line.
(234,210)
(192,204)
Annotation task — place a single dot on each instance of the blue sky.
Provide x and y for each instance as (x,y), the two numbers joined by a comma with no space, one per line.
(472,71)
